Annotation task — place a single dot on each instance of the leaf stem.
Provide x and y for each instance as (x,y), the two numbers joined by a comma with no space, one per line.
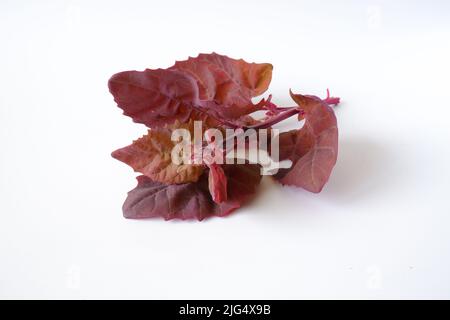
(331,100)
(289,112)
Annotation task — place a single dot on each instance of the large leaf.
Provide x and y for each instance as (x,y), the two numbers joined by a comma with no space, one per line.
(158,97)
(313,148)
(255,77)
(151,156)
(227,82)
(191,200)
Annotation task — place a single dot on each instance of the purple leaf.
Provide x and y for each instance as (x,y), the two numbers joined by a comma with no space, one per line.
(191,200)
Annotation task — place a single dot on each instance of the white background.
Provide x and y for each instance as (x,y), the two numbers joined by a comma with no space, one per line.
(379,229)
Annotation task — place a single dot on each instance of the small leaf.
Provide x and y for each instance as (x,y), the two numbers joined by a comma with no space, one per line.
(191,200)
(217,183)
(312,149)
(151,156)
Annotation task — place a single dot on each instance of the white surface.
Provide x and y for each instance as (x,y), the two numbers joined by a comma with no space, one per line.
(380,228)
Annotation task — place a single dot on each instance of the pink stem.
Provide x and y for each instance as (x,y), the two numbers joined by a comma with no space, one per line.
(331,100)
(266,124)
(275,119)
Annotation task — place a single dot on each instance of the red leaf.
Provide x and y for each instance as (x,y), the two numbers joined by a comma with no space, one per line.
(228,82)
(151,156)
(190,200)
(217,183)
(157,97)
(255,77)
(312,149)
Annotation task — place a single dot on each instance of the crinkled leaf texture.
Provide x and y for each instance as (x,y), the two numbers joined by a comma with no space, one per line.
(212,88)
(191,200)
(313,148)
(151,156)
(227,82)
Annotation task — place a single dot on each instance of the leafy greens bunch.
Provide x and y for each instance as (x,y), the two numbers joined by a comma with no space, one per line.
(218,91)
